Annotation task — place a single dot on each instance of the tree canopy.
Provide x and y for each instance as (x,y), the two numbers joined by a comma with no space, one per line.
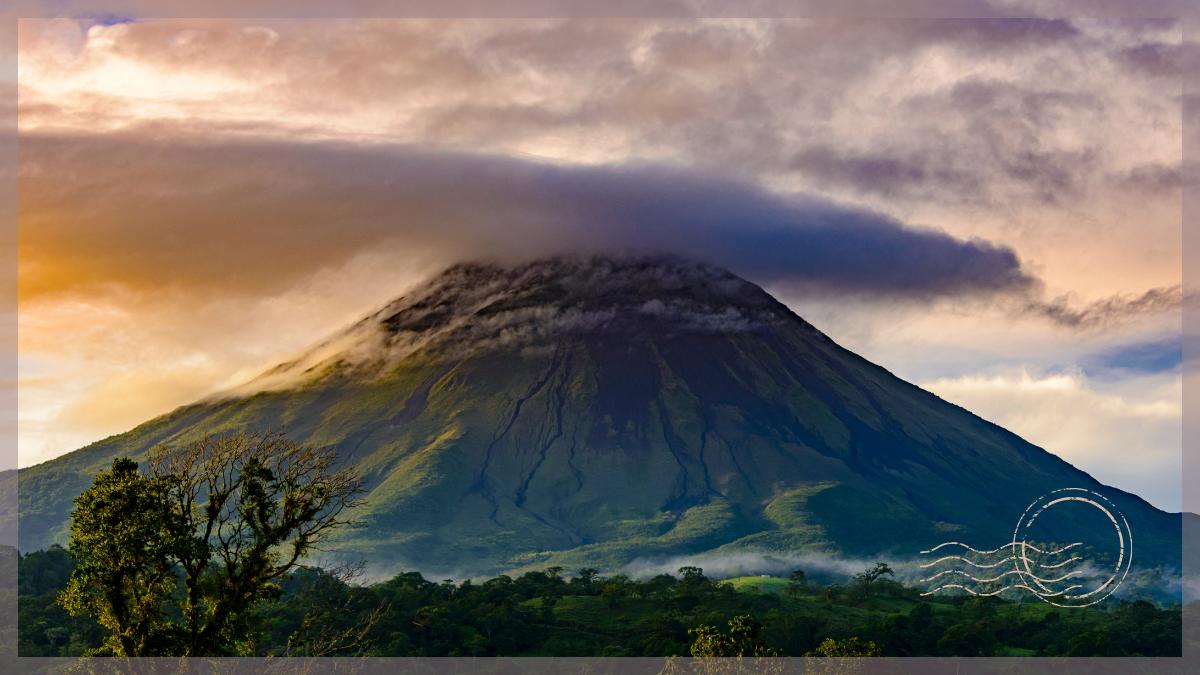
(171,560)
(538,613)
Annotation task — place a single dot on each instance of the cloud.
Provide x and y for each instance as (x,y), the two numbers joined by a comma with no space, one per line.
(1106,311)
(93,366)
(1006,130)
(1151,179)
(986,35)
(756,95)
(890,174)
(240,215)
(1054,140)
(1153,58)
(816,565)
(1147,356)
(1127,434)
(983,140)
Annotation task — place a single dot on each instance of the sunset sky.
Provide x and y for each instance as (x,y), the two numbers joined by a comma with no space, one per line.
(988,208)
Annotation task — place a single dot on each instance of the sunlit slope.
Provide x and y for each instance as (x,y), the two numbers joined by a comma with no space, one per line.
(594,411)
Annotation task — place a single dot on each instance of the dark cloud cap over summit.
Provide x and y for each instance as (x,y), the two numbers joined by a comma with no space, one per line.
(273,210)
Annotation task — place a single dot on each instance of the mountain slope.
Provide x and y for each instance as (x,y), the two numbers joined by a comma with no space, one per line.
(598,410)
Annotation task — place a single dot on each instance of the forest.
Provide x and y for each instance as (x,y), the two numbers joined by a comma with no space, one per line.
(549,612)
(201,552)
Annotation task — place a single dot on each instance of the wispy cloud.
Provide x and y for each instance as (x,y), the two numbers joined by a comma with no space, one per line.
(719,565)
(1106,311)
(1146,356)
(1126,434)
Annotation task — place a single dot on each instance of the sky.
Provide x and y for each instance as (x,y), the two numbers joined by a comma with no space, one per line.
(988,208)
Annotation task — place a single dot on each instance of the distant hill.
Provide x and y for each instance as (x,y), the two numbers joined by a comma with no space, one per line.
(595,410)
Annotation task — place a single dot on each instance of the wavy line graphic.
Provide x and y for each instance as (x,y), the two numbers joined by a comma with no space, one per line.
(1065,562)
(1018,554)
(995,592)
(1010,544)
(998,577)
(969,562)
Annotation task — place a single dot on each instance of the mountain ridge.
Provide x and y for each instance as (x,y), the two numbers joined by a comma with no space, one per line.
(591,410)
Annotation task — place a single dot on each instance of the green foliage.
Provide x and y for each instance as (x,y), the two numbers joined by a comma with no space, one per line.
(743,639)
(543,613)
(797,583)
(875,573)
(46,629)
(125,534)
(871,582)
(851,646)
(173,561)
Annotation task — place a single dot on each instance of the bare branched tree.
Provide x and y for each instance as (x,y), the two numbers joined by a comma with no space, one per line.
(316,637)
(254,505)
(173,560)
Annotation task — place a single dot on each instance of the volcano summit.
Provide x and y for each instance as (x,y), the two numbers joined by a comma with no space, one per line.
(594,410)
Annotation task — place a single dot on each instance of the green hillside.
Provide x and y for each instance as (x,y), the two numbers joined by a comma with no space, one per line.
(593,411)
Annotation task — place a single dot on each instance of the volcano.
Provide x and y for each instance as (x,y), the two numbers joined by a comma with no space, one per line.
(596,410)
